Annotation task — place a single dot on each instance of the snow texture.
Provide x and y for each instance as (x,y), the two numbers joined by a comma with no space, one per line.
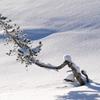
(67,58)
(64,27)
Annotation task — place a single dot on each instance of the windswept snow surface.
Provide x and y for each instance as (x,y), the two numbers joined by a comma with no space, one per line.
(65,27)
(53,14)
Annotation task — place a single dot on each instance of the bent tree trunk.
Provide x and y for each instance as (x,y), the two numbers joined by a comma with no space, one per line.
(49,66)
(76,73)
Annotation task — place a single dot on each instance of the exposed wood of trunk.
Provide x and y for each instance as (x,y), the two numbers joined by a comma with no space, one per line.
(74,70)
(49,66)
(77,74)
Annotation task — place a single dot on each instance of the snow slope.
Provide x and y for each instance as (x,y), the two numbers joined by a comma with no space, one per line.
(65,27)
(53,14)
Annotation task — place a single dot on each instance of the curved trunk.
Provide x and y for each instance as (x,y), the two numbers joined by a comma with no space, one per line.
(49,66)
(76,73)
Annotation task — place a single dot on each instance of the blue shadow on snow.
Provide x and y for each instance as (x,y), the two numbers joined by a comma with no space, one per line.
(35,34)
(91,94)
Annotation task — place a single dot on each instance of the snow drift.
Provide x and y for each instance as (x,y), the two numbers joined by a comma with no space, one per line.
(68,27)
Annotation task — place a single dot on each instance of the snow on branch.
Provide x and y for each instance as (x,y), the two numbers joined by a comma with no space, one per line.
(43,65)
(26,54)
(22,46)
(80,75)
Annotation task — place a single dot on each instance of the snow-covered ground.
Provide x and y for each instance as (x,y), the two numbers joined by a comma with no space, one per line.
(65,27)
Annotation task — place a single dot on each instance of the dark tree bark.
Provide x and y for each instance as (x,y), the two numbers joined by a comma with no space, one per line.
(76,73)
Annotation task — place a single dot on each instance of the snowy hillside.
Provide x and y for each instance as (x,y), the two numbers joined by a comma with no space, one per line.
(65,27)
(53,14)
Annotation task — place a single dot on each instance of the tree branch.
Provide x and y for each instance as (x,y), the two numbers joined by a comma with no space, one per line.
(49,66)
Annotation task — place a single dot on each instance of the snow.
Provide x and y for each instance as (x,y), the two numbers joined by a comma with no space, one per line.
(67,58)
(65,27)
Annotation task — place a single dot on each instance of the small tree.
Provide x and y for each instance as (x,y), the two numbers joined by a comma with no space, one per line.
(22,46)
(26,54)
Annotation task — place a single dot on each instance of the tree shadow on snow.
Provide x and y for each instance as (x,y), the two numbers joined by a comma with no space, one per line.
(2,36)
(93,93)
(35,34)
